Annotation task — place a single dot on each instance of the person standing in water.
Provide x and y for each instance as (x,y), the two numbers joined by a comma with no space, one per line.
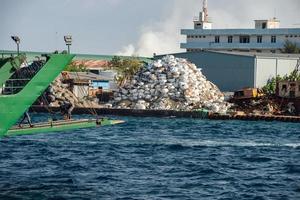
(66,109)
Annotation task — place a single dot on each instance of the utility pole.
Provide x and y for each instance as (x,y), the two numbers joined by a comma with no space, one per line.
(68,41)
(17,40)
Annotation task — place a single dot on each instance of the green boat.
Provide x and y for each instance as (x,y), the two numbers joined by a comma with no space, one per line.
(54,126)
(19,93)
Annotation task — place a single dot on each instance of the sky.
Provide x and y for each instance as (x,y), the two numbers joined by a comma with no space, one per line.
(126,27)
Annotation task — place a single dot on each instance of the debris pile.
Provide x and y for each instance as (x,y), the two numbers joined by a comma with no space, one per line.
(59,92)
(268,105)
(170,84)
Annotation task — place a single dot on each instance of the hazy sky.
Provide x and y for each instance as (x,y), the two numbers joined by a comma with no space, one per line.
(138,27)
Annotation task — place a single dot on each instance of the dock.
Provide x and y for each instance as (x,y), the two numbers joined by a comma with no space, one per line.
(173,113)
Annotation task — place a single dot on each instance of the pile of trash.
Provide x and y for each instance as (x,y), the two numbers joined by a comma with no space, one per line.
(60,92)
(170,84)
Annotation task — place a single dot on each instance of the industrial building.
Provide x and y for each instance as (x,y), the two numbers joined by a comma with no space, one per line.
(267,36)
(232,71)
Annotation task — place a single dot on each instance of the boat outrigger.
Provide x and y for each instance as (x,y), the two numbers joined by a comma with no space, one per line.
(22,86)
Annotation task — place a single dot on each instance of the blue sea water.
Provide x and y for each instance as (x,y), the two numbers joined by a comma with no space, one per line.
(155,158)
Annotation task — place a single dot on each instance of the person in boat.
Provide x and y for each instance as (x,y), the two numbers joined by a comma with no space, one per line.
(27,117)
(66,108)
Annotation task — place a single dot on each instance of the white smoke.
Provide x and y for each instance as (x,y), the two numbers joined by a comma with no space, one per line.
(128,50)
(164,37)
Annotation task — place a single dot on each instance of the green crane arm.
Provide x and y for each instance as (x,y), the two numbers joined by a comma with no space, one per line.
(8,67)
(13,106)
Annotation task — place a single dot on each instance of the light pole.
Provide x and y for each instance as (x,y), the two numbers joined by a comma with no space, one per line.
(17,41)
(68,41)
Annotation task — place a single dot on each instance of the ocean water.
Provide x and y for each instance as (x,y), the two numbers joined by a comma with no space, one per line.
(155,158)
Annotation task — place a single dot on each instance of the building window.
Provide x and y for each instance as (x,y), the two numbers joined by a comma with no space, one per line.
(264,25)
(244,39)
(284,88)
(230,38)
(188,36)
(273,39)
(217,39)
(259,39)
(204,36)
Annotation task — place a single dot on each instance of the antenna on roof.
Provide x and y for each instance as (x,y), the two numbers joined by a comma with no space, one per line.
(205,10)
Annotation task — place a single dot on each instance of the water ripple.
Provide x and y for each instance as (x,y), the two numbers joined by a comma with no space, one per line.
(152,158)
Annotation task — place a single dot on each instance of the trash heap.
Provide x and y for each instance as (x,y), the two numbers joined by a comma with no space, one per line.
(170,84)
(59,92)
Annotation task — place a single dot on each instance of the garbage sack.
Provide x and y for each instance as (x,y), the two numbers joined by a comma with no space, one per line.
(171,83)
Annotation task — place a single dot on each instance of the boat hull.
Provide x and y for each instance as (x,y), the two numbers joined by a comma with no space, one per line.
(58,126)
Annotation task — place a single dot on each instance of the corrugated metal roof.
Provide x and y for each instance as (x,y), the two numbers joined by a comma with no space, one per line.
(87,76)
(257,54)
(92,64)
(238,53)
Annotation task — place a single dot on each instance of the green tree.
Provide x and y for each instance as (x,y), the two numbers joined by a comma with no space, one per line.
(270,88)
(290,47)
(76,68)
(126,68)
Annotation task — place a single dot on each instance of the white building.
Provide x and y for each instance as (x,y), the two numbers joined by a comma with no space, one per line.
(267,36)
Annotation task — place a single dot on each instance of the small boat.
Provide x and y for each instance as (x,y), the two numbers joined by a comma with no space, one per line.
(22,86)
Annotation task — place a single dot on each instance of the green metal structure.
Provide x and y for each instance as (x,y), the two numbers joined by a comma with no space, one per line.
(60,126)
(8,66)
(13,106)
(31,55)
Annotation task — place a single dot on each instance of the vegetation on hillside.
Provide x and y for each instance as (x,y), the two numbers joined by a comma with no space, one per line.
(125,67)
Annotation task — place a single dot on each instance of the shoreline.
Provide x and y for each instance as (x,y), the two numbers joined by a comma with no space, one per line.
(172,113)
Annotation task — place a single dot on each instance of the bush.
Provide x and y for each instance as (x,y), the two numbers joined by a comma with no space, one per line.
(126,68)
(270,88)
(76,68)
(290,47)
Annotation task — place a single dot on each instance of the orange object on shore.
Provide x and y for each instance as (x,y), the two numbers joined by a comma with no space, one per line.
(65,75)
(248,93)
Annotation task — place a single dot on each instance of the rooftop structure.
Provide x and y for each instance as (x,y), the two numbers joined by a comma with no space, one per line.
(267,36)
(203,22)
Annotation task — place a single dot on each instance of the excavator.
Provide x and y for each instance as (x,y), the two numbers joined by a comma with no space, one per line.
(248,94)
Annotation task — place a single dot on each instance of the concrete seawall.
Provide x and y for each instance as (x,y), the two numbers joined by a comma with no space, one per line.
(172,113)
(128,112)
